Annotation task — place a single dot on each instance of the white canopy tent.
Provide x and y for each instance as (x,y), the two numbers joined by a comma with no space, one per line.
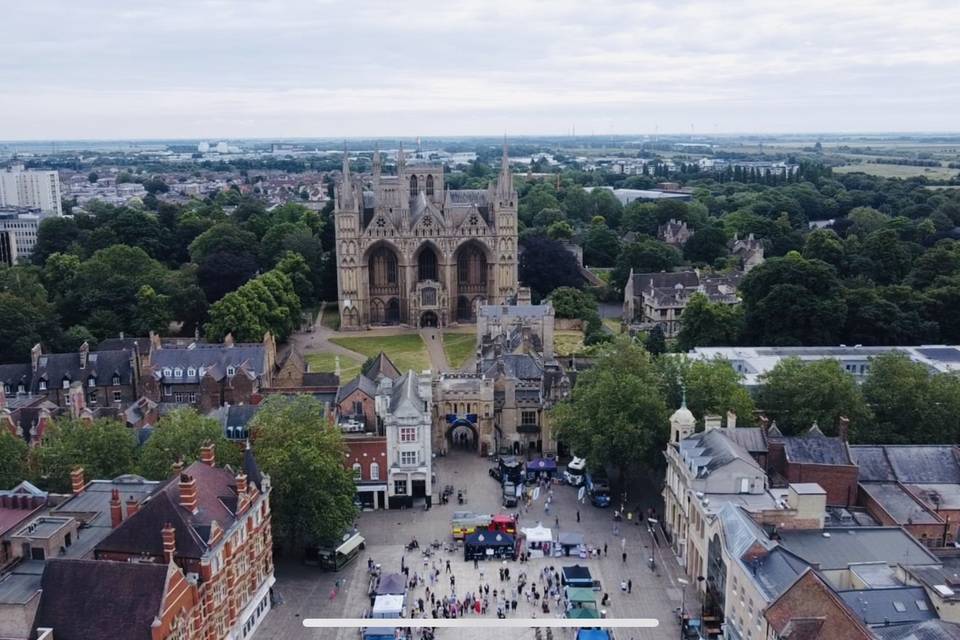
(539,540)
(388,606)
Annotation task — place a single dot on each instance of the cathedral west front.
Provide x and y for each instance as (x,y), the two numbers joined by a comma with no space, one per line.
(412,252)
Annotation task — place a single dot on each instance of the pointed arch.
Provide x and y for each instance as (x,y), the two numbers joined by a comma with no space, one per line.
(428,262)
(413,186)
(429,185)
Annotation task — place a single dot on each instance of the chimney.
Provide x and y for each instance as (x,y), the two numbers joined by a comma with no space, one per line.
(764,421)
(731,419)
(241,483)
(188,493)
(155,343)
(84,355)
(76,480)
(116,511)
(207,455)
(843,429)
(711,422)
(132,506)
(169,542)
(35,354)
(77,399)
(178,467)
(228,340)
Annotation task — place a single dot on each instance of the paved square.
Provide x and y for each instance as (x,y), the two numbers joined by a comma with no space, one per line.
(308,592)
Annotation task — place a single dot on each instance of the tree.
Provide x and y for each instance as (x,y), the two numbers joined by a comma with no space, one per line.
(312,495)
(656,341)
(706,245)
(572,303)
(709,324)
(105,449)
(54,235)
(711,387)
(824,244)
(797,394)
(646,255)
(560,230)
(866,220)
(545,265)
(616,413)
(793,301)
(153,311)
(600,246)
(226,237)
(266,303)
(911,404)
(178,437)
(92,177)
(222,272)
(13,460)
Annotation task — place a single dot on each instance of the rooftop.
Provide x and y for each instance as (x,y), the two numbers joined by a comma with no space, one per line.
(838,548)
(896,605)
(898,502)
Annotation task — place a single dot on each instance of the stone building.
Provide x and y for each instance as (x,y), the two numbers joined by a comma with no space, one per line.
(658,299)
(410,251)
(674,233)
(403,407)
(502,405)
(748,251)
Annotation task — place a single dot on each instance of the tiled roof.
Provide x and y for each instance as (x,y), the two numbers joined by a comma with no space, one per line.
(100,600)
(320,379)
(816,449)
(361,382)
(382,366)
(910,464)
(214,359)
(928,630)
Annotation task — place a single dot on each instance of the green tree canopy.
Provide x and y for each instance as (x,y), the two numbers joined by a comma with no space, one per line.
(572,303)
(646,255)
(798,394)
(312,496)
(616,413)
(13,460)
(709,324)
(105,449)
(711,387)
(178,436)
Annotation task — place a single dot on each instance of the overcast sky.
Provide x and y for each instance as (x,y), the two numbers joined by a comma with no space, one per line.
(92,69)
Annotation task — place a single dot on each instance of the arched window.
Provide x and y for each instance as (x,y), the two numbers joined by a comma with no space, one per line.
(374,471)
(427,264)
(429,185)
(357,471)
(383,268)
(413,186)
(471,269)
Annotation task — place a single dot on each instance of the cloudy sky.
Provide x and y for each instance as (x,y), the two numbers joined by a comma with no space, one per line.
(93,69)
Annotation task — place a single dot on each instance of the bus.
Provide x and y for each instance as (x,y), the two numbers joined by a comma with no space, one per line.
(573,474)
(336,558)
(464,523)
(598,488)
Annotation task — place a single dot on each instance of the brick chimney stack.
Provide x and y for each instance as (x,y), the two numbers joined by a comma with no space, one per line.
(132,506)
(188,493)
(116,511)
(84,355)
(207,455)
(731,419)
(76,480)
(241,484)
(178,467)
(169,542)
(843,429)
(35,354)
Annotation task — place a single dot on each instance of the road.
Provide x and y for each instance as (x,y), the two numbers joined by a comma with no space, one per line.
(307,591)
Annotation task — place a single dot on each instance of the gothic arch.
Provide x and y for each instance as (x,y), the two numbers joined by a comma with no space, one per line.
(429,185)
(413,186)
(427,258)
(473,264)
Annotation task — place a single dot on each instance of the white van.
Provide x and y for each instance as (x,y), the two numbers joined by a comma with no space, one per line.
(573,474)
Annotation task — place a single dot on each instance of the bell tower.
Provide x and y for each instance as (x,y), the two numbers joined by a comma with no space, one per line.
(504,200)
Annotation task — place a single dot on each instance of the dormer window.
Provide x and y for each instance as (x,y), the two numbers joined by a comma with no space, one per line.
(22,389)
(91,382)
(191,372)
(116,380)
(167,372)
(6,388)
(178,373)
(231,371)
(66,383)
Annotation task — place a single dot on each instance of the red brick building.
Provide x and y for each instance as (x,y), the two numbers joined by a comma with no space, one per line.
(814,458)
(215,525)
(811,610)
(367,458)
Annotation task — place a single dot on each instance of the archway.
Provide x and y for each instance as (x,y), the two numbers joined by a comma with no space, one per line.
(393,311)
(427,264)
(471,269)
(383,271)
(429,319)
(462,434)
(464,309)
(378,313)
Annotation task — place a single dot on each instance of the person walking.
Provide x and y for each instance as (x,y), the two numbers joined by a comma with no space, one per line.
(578,515)
(604,549)
(448,567)
(556,521)
(630,586)
(624,557)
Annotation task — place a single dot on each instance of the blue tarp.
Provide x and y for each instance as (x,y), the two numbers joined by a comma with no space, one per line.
(592,634)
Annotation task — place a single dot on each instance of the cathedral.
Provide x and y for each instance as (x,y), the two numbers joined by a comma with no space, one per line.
(412,252)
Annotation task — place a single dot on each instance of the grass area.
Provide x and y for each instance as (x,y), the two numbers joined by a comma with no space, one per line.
(613,324)
(406,350)
(567,343)
(458,347)
(897,170)
(327,362)
(331,317)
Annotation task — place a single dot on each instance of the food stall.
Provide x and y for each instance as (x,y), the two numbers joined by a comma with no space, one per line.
(538,541)
(576,576)
(570,543)
(388,606)
(489,545)
(541,468)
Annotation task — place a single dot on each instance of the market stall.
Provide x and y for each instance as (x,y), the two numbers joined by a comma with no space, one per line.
(540,468)
(538,540)
(576,576)
(392,584)
(484,545)
(570,543)
(388,606)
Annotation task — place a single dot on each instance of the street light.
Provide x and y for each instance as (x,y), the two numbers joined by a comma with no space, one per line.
(683,601)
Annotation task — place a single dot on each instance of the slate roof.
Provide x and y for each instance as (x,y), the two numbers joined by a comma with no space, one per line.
(851,545)
(11,375)
(816,449)
(362,382)
(103,365)
(645,281)
(895,605)
(208,358)
(216,500)
(709,450)
(521,366)
(406,389)
(320,379)
(101,600)
(110,344)
(898,502)
(910,464)
(928,630)
(753,439)
(382,366)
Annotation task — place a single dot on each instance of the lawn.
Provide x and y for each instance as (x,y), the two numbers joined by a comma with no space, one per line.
(613,324)
(898,170)
(567,343)
(459,347)
(349,367)
(407,350)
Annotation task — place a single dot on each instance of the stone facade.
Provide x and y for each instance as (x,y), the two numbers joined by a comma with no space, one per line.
(658,299)
(403,407)
(412,252)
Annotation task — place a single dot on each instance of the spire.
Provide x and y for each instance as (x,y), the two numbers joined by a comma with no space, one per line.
(376,165)
(505,181)
(683,400)
(346,184)
(401,161)
(346,163)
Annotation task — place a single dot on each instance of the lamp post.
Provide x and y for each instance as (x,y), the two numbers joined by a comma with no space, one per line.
(683,602)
